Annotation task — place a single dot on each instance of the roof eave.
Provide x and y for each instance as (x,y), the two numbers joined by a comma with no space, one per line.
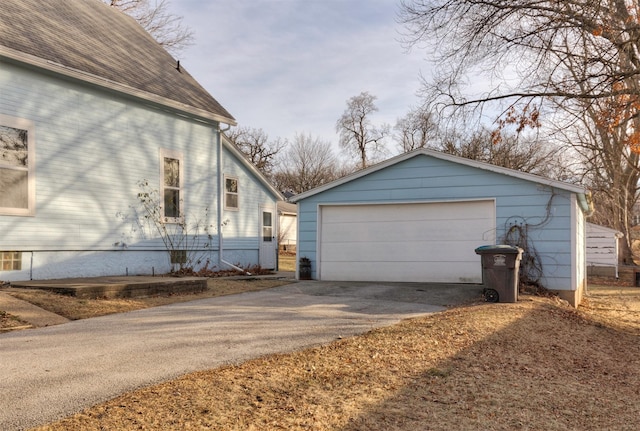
(256,172)
(444,156)
(22,58)
(614,232)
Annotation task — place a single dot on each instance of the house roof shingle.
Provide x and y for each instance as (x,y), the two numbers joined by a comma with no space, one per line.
(90,40)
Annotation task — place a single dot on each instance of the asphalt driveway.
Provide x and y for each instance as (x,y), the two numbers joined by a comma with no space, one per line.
(52,372)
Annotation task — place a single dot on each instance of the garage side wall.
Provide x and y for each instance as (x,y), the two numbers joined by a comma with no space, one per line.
(580,257)
(526,212)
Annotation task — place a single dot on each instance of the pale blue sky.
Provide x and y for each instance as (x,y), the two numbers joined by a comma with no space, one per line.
(289,66)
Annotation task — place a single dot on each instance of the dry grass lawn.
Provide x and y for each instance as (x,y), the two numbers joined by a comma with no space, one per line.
(11,323)
(287,262)
(533,365)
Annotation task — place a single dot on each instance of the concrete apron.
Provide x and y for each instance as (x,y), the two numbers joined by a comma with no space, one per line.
(52,372)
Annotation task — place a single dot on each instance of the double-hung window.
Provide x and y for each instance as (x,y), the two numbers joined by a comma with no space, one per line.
(172,185)
(17,183)
(230,193)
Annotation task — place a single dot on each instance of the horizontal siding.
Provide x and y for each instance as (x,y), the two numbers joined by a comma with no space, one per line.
(242,228)
(92,149)
(288,231)
(422,179)
(406,271)
(602,246)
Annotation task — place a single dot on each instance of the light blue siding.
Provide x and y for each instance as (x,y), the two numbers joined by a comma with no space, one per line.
(92,149)
(242,228)
(543,212)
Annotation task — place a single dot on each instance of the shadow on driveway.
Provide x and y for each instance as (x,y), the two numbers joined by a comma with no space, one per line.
(50,373)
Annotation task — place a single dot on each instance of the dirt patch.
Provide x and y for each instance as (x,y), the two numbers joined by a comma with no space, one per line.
(533,365)
(11,323)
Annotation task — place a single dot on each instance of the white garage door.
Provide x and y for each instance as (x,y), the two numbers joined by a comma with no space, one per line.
(423,242)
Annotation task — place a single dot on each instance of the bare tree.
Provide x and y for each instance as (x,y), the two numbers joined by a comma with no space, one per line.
(416,130)
(537,61)
(307,163)
(358,136)
(531,49)
(165,27)
(610,169)
(255,144)
(522,153)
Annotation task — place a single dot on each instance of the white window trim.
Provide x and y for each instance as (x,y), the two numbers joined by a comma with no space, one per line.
(178,155)
(231,177)
(29,126)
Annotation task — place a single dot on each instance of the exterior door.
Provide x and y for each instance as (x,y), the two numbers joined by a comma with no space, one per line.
(267,238)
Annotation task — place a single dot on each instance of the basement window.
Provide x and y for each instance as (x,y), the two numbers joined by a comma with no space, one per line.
(10,260)
(178,256)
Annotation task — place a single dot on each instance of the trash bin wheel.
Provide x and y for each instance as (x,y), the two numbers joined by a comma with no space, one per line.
(491,295)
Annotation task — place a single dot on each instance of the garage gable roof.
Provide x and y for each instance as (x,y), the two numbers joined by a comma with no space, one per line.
(448,157)
(88,40)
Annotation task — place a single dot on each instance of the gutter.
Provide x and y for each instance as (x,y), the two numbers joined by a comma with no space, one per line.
(219,152)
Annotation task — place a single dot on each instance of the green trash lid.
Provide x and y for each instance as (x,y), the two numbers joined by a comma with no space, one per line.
(500,248)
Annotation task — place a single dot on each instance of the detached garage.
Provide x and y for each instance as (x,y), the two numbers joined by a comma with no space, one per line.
(419,217)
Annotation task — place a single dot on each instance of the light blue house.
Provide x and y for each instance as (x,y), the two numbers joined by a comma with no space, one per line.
(96,119)
(418,217)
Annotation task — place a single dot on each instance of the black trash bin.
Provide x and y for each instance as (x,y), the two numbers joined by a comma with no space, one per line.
(304,268)
(500,272)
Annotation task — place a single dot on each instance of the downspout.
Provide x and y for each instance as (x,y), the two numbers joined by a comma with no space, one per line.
(31,267)
(221,261)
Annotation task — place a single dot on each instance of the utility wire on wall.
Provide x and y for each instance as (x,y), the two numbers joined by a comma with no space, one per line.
(517,234)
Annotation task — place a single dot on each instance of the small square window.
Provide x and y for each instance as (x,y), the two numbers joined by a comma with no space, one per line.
(10,261)
(178,256)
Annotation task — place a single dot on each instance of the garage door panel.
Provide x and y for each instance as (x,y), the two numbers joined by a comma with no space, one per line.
(405,231)
(411,212)
(405,242)
(406,272)
(398,251)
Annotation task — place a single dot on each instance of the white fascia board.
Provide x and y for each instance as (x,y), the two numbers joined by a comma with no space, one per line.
(251,167)
(506,171)
(443,156)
